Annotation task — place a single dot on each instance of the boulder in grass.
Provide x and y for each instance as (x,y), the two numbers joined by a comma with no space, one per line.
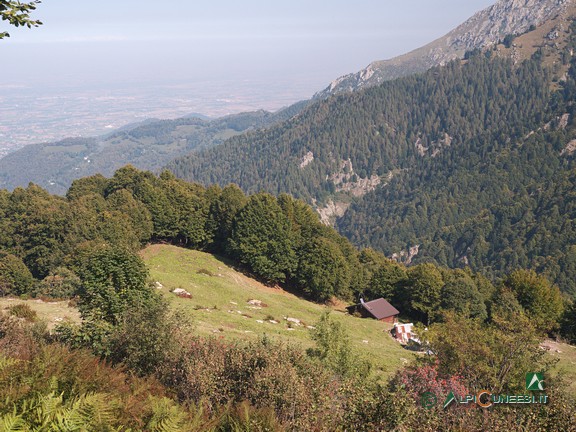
(182,293)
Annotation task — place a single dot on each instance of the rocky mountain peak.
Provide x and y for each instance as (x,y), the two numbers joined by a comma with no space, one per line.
(485,28)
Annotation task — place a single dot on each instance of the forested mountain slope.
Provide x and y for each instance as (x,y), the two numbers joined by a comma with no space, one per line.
(503,20)
(149,145)
(472,162)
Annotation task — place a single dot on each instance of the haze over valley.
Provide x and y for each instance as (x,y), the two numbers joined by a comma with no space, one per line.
(85,72)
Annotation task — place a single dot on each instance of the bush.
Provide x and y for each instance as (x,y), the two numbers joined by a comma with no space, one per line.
(15,278)
(333,348)
(22,310)
(61,283)
(303,394)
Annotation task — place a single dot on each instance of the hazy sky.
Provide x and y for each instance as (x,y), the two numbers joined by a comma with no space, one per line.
(108,42)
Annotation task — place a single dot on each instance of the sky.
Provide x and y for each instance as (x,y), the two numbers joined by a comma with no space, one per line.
(129,42)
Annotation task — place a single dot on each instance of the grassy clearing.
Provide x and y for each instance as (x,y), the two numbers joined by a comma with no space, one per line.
(51,312)
(566,366)
(219,306)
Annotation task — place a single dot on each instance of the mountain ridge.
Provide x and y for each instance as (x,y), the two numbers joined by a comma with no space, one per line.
(147,145)
(485,28)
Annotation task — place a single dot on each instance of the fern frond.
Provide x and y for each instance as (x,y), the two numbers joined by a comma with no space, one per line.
(12,423)
(166,416)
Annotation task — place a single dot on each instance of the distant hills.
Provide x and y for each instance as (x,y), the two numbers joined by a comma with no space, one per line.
(470,163)
(486,28)
(147,145)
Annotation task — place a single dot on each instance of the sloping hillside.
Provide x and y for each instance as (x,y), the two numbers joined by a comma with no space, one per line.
(220,306)
(485,29)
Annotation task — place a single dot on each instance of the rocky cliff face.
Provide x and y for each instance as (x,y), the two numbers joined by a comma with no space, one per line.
(484,29)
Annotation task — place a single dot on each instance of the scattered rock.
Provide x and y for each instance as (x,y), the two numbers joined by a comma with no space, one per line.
(257,303)
(311,327)
(234,303)
(290,329)
(182,293)
(306,159)
(563,122)
(365,341)
(570,148)
(273,321)
(58,319)
(293,320)
(260,321)
(158,285)
(405,257)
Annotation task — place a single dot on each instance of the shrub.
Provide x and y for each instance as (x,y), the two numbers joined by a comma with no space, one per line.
(22,310)
(15,278)
(303,393)
(333,348)
(62,283)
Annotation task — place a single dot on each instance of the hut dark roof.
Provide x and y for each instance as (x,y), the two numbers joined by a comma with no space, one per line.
(379,308)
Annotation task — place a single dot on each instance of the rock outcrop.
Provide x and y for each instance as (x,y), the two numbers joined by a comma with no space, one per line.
(486,28)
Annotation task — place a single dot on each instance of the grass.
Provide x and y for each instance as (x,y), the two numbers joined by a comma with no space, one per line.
(51,312)
(566,366)
(219,306)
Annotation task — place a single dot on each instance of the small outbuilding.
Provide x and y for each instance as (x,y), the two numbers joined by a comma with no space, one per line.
(403,332)
(378,309)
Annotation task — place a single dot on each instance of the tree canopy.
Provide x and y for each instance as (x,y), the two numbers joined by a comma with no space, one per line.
(17,14)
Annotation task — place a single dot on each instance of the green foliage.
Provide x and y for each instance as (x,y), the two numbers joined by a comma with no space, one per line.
(303,394)
(23,311)
(334,350)
(424,290)
(112,280)
(18,14)
(92,185)
(58,389)
(471,173)
(261,239)
(146,336)
(222,213)
(61,283)
(386,280)
(505,304)
(568,323)
(460,295)
(15,278)
(323,271)
(123,202)
(493,356)
(540,299)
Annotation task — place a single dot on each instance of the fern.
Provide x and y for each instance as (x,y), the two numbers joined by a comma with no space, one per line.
(89,412)
(166,416)
(7,362)
(12,423)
